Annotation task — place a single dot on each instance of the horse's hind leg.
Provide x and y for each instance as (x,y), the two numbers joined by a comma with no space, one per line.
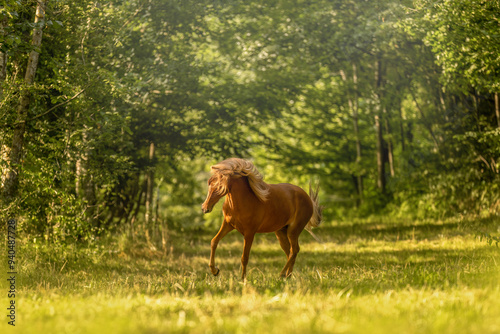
(224,229)
(283,239)
(293,237)
(285,245)
(294,250)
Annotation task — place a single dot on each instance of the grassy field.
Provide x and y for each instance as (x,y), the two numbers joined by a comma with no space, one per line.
(366,277)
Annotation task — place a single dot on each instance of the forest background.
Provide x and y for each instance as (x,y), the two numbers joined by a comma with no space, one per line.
(113,111)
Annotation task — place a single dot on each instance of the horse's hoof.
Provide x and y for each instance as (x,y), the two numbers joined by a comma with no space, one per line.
(217,273)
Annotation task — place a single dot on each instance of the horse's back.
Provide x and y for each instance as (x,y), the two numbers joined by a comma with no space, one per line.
(287,203)
(291,192)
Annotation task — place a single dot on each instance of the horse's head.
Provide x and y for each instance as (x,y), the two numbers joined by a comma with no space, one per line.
(217,188)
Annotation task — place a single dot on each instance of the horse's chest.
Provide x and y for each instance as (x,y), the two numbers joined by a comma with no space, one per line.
(234,222)
(241,223)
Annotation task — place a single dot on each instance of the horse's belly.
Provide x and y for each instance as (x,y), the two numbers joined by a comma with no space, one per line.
(272,225)
(249,226)
(269,229)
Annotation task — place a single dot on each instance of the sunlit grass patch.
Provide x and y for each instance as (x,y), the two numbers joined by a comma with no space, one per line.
(363,278)
(458,310)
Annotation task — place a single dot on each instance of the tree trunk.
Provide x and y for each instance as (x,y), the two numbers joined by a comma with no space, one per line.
(3,63)
(390,154)
(381,180)
(497,109)
(476,110)
(84,181)
(359,177)
(3,71)
(90,198)
(150,175)
(3,58)
(150,186)
(4,150)
(135,212)
(401,127)
(352,100)
(78,176)
(16,152)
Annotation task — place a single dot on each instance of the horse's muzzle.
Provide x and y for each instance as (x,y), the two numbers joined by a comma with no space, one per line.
(206,210)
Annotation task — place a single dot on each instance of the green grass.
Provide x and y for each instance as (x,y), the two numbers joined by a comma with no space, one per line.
(366,277)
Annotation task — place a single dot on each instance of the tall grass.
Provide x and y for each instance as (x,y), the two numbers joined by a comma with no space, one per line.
(366,277)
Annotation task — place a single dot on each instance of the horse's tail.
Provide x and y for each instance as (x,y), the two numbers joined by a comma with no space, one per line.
(317,211)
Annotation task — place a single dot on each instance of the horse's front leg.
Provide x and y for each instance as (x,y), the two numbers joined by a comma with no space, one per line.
(224,229)
(246,254)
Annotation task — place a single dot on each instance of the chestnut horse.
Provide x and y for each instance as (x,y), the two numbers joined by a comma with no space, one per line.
(253,206)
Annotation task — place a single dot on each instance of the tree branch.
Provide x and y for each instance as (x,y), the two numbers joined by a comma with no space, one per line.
(58,105)
(424,120)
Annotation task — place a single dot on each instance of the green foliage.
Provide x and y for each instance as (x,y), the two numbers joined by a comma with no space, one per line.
(464,37)
(282,82)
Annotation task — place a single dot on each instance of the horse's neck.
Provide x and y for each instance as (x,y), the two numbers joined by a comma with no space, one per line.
(241,193)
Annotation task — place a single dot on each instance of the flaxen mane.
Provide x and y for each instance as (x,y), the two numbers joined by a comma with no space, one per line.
(235,167)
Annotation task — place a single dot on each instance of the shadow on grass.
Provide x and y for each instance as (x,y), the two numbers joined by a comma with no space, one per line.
(365,257)
(389,232)
(192,243)
(381,255)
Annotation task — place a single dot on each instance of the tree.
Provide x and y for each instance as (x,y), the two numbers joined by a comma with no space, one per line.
(312,90)
(16,150)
